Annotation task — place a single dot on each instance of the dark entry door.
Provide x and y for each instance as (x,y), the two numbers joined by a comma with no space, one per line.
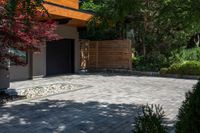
(60,57)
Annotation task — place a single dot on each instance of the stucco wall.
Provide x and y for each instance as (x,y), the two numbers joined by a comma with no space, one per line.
(38,68)
(20,72)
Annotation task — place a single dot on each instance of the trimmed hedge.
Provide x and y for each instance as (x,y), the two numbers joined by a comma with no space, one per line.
(188,120)
(174,69)
(163,71)
(186,68)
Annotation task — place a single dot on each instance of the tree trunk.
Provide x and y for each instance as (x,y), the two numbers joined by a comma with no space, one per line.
(197,40)
(144,49)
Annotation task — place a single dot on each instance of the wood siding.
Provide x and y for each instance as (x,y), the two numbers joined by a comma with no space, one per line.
(115,54)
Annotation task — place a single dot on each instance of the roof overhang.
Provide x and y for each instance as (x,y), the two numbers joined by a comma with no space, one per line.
(77,18)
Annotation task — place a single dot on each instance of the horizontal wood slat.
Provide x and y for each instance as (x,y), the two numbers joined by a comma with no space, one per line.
(115,54)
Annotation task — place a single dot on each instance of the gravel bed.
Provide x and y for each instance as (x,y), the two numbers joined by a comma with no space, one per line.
(40,91)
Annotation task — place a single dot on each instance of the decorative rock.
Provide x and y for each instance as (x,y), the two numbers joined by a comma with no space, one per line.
(45,90)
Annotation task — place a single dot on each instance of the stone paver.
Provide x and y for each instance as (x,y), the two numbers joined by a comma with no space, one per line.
(109,105)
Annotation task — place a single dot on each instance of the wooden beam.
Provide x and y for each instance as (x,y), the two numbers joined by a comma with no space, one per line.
(71,22)
(65,12)
(68,3)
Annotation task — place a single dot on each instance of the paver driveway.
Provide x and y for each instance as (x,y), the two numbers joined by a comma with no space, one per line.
(108,104)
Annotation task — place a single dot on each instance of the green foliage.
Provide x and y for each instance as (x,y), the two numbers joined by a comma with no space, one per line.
(152,62)
(178,20)
(158,25)
(90,5)
(174,69)
(109,19)
(190,68)
(186,55)
(189,113)
(151,120)
(185,68)
(163,71)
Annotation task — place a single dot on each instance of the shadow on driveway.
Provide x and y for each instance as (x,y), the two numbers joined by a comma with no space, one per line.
(49,116)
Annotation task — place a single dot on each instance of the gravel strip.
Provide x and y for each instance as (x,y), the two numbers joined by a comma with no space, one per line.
(45,90)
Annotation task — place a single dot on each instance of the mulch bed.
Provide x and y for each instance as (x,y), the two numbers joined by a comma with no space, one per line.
(4,98)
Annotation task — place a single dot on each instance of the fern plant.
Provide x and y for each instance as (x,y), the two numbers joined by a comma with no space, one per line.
(151,120)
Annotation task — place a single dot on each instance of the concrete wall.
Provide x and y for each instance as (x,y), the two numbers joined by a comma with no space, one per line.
(18,73)
(37,68)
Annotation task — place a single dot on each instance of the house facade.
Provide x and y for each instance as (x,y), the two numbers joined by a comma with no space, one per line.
(60,56)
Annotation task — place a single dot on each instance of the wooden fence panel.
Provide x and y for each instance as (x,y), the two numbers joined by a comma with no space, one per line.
(114,54)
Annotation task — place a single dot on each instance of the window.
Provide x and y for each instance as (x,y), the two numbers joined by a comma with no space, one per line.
(21,54)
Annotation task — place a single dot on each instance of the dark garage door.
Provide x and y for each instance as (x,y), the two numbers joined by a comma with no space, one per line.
(60,57)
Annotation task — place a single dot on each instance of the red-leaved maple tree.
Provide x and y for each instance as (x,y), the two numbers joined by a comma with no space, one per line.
(21,28)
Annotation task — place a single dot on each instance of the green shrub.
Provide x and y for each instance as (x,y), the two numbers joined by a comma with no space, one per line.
(190,68)
(151,120)
(188,120)
(185,68)
(185,55)
(190,54)
(152,62)
(174,69)
(163,71)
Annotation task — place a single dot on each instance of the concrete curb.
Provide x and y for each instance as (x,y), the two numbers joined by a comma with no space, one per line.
(157,74)
(142,73)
